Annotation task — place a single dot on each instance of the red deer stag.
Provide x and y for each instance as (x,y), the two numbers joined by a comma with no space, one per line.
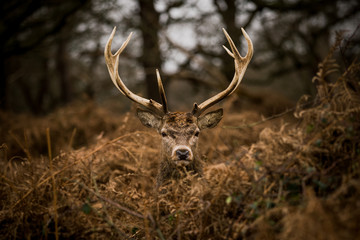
(179,130)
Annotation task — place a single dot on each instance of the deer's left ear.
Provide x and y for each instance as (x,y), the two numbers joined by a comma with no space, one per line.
(211,119)
(149,119)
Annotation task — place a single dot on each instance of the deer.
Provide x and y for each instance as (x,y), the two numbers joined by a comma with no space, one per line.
(179,130)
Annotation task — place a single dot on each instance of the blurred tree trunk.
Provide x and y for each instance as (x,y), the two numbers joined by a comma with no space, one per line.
(63,70)
(35,97)
(24,26)
(151,59)
(95,57)
(43,86)
(3,83)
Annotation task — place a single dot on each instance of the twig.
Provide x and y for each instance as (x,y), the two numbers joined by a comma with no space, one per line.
(157,229)
(115,204)
(109,222)
(282,114)
(71,142)
(106,217)
(27,146)
(26,151)
(261,121)
(53,183)
(131,212)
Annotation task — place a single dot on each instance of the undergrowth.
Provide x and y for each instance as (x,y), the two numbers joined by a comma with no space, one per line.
(286,182)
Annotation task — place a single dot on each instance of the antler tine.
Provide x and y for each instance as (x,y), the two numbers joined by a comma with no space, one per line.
(162,92)
(241,64)
(109,57)
(112,63)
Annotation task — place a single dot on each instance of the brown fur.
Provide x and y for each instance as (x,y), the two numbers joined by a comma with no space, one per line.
(180,133)
(181,127)
(179,119)
(168,170)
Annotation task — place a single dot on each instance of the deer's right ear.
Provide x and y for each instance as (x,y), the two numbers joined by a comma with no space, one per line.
(149,119)
(211,119)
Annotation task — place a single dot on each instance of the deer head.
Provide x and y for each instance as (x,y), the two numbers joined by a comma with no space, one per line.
(179,130)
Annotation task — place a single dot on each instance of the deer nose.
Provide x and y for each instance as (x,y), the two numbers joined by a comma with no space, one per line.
(182,154)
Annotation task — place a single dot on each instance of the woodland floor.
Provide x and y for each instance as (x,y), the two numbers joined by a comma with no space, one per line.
(84,172)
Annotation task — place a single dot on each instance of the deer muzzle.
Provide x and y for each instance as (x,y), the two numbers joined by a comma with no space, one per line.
(182,155)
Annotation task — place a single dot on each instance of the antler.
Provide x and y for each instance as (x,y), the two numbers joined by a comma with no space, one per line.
(112,63)
(241,64)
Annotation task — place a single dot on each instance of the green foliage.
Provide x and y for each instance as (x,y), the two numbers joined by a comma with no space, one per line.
(86,208)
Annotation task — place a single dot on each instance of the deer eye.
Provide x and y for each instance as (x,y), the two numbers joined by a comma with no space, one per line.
(197,133)
(163,134)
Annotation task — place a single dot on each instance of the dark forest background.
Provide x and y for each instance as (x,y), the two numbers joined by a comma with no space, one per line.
(75,163)
(51,52)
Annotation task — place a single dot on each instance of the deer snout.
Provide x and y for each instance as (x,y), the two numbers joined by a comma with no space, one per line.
(182,153)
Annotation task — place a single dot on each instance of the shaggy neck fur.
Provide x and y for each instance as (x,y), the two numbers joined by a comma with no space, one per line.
(169,170)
